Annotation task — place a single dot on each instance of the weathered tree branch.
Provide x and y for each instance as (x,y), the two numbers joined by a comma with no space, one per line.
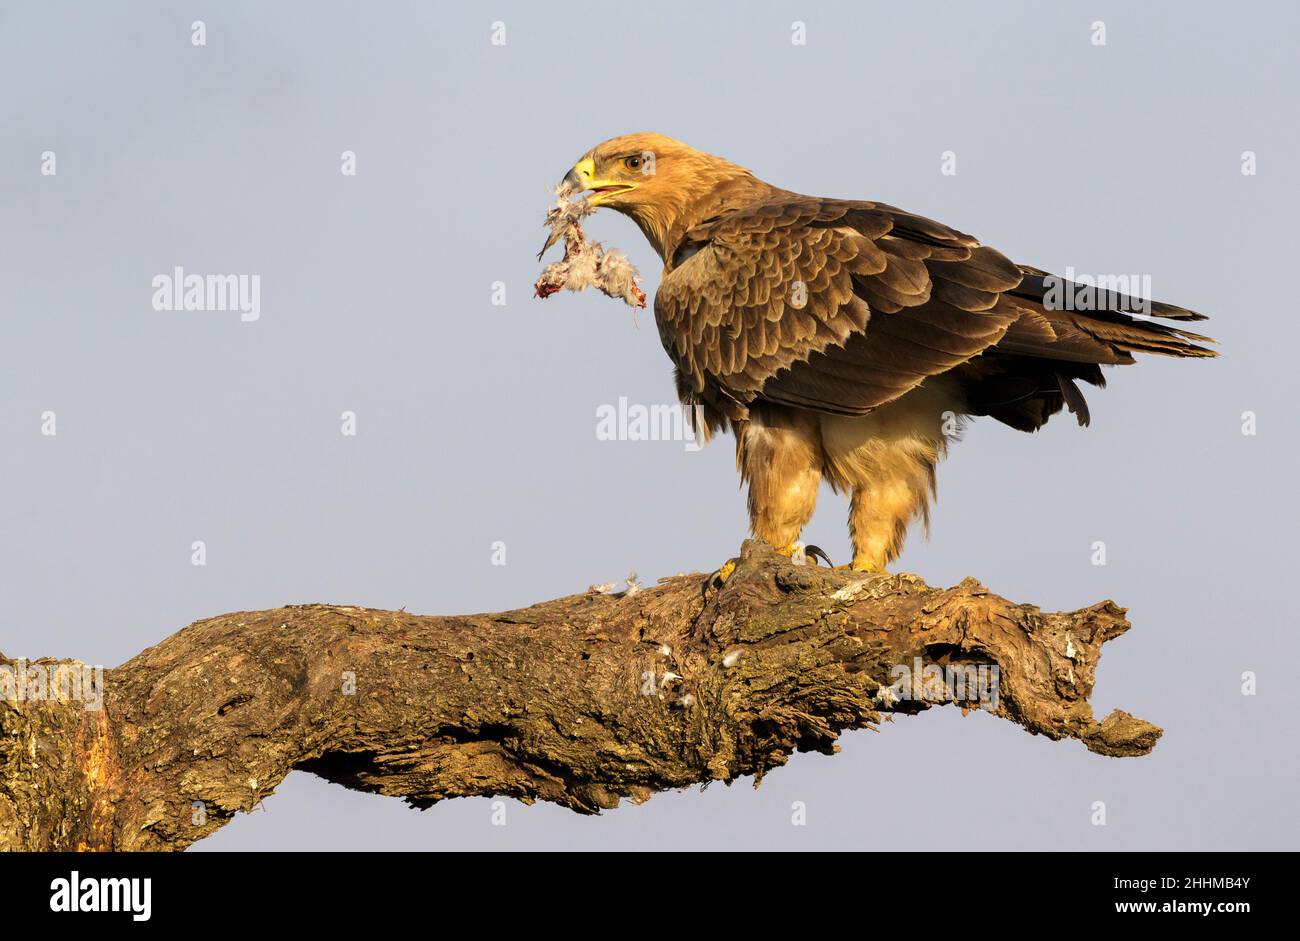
(581,701)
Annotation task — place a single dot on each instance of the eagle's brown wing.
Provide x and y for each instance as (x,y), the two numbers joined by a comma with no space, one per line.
(842,306)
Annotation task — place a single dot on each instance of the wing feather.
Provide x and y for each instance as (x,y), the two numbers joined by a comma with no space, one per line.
(843,306)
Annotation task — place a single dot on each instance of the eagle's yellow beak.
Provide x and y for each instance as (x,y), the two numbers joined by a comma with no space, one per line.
(583,177)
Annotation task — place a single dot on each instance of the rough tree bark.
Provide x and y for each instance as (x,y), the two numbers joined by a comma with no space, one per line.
(581,701)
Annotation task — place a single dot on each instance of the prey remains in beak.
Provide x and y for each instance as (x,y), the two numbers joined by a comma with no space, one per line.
(585,264)
(579,180)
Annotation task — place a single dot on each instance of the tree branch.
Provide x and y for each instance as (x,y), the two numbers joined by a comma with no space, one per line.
(580,701)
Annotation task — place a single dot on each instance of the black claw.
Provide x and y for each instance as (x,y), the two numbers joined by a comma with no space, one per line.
(815,552)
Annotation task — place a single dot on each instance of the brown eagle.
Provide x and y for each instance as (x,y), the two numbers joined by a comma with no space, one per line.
(848,340)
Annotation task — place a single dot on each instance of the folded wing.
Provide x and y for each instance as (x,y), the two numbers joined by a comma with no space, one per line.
(842,306)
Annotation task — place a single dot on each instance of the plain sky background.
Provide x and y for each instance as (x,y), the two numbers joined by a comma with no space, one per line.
(476,423)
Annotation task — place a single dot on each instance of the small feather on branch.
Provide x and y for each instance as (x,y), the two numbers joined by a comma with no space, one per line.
(585,264)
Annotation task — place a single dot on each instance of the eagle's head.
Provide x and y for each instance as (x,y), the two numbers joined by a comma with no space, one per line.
(663,184)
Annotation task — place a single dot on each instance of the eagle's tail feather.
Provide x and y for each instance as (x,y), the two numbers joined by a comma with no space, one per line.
(1030,373)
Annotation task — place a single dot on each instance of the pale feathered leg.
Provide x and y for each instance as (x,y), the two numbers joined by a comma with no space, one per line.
(779,454)
(885,461)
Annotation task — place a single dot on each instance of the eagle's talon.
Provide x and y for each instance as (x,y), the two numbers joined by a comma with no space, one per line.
(815,552)
(800,554)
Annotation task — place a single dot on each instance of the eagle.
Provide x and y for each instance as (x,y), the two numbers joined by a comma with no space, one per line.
(848,341)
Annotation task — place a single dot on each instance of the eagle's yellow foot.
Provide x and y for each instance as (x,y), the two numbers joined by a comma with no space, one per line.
(806,555)
(721,575)
(866,565)
(803,554)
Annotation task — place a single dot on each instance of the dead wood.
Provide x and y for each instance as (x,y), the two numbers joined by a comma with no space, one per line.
(581,701)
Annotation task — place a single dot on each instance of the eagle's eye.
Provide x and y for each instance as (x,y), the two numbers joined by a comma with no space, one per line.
(632,163)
